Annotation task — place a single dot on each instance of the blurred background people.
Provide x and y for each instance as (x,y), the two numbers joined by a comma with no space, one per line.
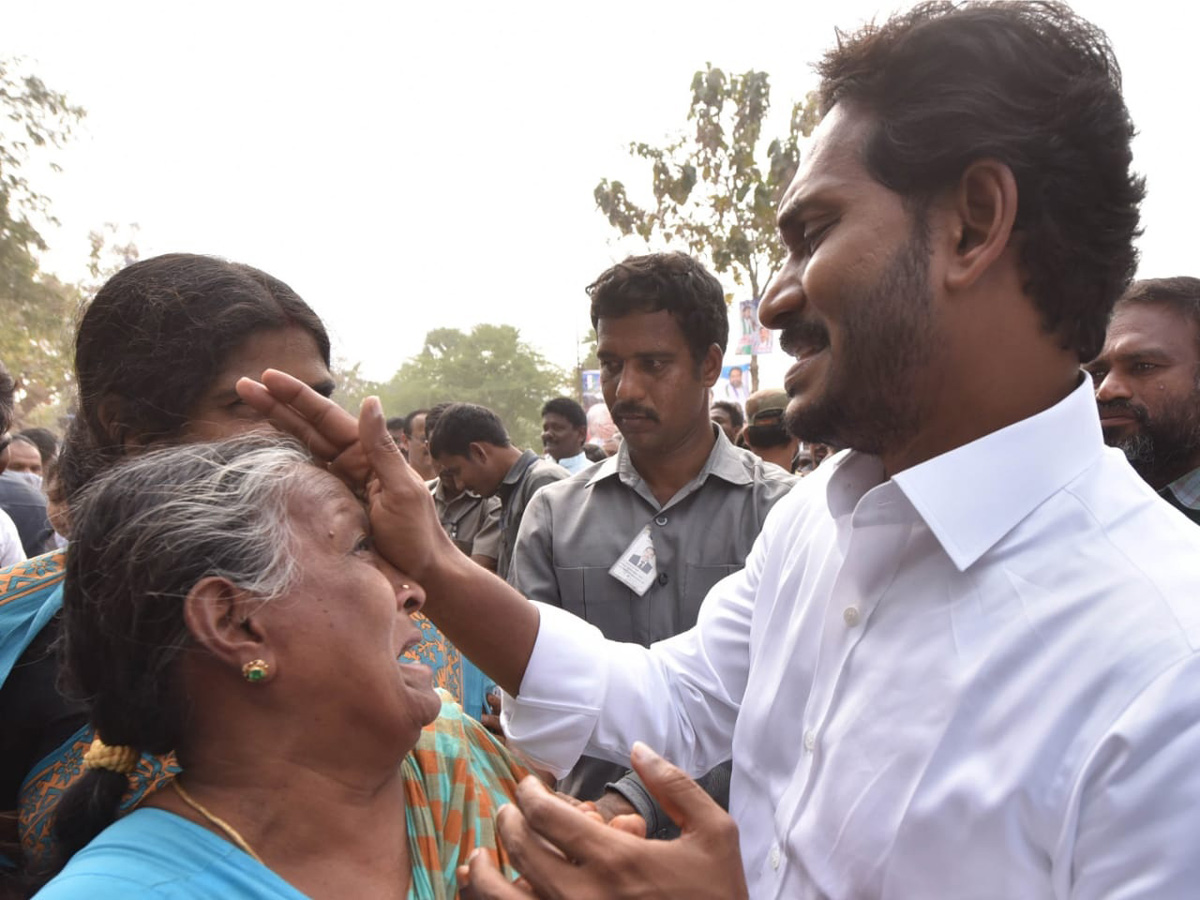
(729,417)
(472,447)
(765,433)
(416,445)
(564,432)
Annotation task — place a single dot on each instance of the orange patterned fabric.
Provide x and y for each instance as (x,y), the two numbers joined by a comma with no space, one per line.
(455,780)
(45,786)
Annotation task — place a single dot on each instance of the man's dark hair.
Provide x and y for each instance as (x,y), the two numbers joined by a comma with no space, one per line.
(568,409)
(1037,88)
(674,282)
(408,421)
(462,424)
(395,423)
(432,418)
(44,439)
(8,388)
(735,412)
(1181,293)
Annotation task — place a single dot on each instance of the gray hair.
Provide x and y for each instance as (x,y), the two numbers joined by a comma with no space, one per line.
(145,533)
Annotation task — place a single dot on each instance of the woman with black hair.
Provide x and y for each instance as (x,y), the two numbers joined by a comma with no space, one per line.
(157,354)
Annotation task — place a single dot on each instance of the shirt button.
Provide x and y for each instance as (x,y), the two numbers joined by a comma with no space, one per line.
(810,740)
(661,520)
(662,578)
(775,856)
(851,616)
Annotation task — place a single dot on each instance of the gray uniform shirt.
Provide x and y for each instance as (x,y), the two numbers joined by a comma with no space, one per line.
(473,522)
(529,473)
(575,530)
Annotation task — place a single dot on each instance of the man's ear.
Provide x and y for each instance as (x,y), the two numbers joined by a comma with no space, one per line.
(710,366)
(983,210)
(224,620)
(477,453)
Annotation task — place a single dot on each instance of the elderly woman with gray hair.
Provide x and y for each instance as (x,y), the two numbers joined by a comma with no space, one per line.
(224,601)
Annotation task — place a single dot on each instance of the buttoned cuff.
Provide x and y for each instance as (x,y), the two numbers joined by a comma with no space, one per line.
(561,694)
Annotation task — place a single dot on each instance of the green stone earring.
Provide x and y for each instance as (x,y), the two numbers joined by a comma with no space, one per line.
(255,670)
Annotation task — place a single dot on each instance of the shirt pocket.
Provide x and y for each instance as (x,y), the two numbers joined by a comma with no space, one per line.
(697,582)
(592,594)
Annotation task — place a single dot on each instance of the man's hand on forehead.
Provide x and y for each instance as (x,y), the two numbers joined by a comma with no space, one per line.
(329,432)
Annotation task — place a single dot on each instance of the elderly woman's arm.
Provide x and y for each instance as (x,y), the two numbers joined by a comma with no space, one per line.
(464,600)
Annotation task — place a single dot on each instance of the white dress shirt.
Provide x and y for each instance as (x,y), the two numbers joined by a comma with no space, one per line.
(977,679)
(11,550)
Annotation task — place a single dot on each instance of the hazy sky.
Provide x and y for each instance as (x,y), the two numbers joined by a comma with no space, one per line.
(407,167)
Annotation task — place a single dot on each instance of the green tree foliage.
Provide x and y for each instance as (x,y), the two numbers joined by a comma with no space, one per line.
(37,311)
(714,190)
(351,387)
(489,365)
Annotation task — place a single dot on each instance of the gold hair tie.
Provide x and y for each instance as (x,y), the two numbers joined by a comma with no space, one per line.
(116,759)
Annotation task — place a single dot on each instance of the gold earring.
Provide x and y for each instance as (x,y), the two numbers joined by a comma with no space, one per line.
(255,670)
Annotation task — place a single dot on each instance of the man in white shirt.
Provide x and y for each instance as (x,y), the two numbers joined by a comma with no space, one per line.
(963,658)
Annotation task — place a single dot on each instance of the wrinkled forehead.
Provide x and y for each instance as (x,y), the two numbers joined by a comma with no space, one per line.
(315,497)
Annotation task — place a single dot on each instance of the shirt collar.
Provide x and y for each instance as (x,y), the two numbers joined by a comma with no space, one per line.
(516,471)
(524,461)
(1186,489)
(724,461)
(972,496)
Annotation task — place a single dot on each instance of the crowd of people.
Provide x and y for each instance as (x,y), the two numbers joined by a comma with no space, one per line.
(902,627)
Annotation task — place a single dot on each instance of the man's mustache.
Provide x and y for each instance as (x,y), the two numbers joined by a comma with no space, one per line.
(798,336)
(1124,407)
(621,410)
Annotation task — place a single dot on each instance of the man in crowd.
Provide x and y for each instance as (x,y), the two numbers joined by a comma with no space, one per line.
(24,456)
(46,442)
(24,502)
(395,427)
(471,446)
(675,488)
(417,444)
(11,549)
(963,656)
(765,433)
(472,521)
(1147,381)
(564,432)
(728,417)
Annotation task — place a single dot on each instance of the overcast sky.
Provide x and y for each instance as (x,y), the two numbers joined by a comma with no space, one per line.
(407,167)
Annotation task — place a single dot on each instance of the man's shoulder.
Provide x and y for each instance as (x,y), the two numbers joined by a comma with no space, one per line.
(16,490)
(738,464)
(543,471)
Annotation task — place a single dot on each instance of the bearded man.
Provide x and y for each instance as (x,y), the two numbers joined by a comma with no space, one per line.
(1147,381)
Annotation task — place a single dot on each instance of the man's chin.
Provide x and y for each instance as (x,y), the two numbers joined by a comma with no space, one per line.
(812,421)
